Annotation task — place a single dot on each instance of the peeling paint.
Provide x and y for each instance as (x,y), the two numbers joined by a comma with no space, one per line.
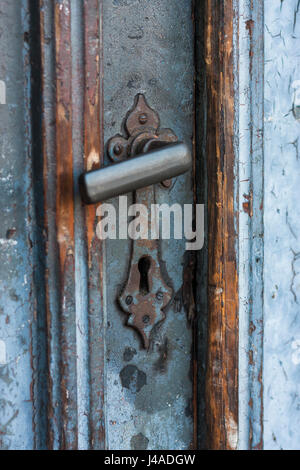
(3,359)
(232,433)
(5,242)
(296,353)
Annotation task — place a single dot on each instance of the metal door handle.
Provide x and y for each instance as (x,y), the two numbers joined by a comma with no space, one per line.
(144,156)
(143,170)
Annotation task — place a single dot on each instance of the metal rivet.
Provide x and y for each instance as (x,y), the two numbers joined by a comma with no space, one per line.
(159,296)
(143,118)
(146,319)
(129,300)
(118,149)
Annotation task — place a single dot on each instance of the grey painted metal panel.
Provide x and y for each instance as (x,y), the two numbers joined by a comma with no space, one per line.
(282,227)
(51,263)
(81,270)
(149,49)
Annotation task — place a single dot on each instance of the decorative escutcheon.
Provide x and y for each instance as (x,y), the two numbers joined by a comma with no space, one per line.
(145,155)
(146,293)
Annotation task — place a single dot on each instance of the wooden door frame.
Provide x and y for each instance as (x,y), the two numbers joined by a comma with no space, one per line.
(229,175)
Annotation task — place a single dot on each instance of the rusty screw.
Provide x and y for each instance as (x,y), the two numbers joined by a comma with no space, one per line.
(143,118)
(129,300)
(159,296)
(146,319)
(118,149)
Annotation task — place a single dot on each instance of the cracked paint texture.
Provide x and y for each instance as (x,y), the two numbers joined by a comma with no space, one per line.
(282,227)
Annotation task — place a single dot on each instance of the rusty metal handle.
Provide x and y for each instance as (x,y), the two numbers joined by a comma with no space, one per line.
(135,173)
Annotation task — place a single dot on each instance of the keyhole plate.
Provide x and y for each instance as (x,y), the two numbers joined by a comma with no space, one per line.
(146,293)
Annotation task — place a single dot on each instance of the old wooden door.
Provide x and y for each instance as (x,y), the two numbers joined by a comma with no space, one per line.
(222,370)
(73,375)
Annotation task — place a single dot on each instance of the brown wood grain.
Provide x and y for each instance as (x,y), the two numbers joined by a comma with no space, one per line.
(59,121)
(93,159)
(222,358)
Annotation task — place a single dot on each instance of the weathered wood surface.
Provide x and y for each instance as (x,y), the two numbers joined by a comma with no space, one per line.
(71,145)
(249,188)
(18,308)
(222,355)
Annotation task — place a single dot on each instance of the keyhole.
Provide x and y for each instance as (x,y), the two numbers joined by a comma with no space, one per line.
(144,266)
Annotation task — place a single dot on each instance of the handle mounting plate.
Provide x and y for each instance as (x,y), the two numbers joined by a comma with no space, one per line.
(147,292)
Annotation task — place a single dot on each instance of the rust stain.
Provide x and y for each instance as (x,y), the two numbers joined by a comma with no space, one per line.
(146,293)
(251,358)
(50,437)
(248,206)
(249,27)
(222,361)
(252,328)
(64,161)
(260,444)
(10,233)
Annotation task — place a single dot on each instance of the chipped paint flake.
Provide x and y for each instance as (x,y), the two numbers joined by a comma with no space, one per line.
(3,359)
(296,353)
(4,242)
(232,432)
(2,92)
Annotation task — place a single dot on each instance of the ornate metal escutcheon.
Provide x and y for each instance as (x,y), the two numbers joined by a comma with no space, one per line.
(146,293)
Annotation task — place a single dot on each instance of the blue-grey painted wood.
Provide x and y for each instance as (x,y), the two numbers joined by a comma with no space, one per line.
(17,309)
(281,374)
(158,413)
(269,171)
(249,181)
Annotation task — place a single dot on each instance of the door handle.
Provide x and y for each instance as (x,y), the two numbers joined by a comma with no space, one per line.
(146,155)
(138,172)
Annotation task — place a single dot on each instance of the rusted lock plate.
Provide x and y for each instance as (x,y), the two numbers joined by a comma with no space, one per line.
(146,293)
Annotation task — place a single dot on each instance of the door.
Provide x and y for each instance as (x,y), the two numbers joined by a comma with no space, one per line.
(116,343)
(74,374)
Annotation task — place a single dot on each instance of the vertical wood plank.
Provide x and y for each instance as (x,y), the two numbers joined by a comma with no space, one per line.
(58,148)
(49,224)
(281,274)
(222,358)
(93,159)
